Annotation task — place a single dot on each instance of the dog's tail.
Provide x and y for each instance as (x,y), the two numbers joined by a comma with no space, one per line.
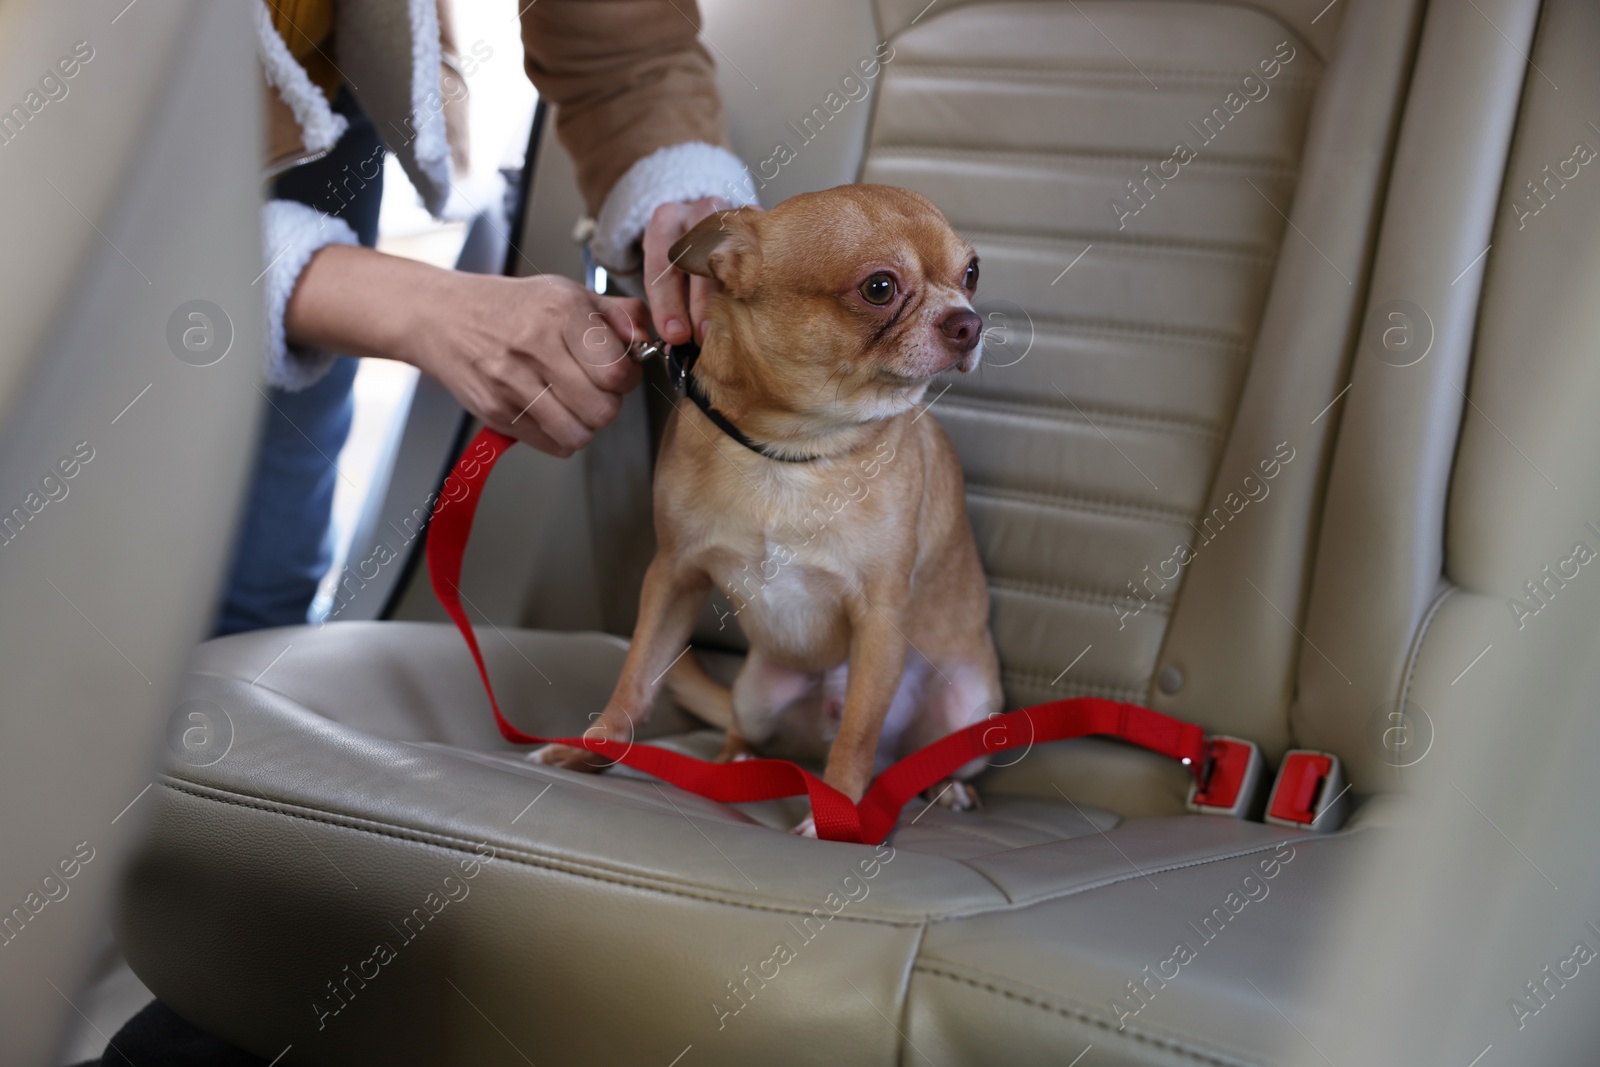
(699,694)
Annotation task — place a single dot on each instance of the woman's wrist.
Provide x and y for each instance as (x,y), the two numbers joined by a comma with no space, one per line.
(366,303)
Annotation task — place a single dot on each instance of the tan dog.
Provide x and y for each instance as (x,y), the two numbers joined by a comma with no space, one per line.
(838,523)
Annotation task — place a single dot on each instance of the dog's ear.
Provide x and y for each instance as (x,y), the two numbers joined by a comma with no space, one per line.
(724,246)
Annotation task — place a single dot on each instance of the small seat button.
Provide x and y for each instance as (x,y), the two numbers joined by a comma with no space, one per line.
(1170,680)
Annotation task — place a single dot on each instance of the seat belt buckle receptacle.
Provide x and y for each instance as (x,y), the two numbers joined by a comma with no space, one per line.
(1309,793)
(1230,782)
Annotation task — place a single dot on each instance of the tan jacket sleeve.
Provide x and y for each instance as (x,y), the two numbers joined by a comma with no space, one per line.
(626,77)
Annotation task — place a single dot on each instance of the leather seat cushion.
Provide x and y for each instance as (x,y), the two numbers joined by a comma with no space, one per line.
(363,767)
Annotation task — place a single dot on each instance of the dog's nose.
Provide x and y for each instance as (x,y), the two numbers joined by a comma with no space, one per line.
(962,327)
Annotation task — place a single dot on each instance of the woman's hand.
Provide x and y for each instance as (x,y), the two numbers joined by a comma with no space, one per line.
(677,299)
(541,359)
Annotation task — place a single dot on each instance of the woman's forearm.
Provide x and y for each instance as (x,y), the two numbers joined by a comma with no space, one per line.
(364,303)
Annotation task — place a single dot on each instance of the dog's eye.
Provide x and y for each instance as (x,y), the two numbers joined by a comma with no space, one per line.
(878,289)
(970,281)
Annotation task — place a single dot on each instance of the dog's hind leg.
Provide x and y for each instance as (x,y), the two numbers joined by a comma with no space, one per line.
(699,694)
(702,696)
(762,692)
(956,698)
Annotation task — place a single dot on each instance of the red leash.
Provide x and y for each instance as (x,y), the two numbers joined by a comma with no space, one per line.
(837,819)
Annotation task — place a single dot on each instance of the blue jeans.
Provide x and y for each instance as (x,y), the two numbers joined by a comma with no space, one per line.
(285,545)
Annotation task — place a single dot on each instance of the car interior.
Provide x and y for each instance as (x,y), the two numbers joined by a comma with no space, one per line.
(1285,427)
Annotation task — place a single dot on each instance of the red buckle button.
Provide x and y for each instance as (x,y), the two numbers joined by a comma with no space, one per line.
(1231,777)
(1309,793)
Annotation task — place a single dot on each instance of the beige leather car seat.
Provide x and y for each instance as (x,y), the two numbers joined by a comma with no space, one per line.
(128,174)
(372,875)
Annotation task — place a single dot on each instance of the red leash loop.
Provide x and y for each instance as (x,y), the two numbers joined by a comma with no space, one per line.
(837,819)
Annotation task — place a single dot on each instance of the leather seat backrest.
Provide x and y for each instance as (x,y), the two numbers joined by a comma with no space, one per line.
(1175,202)
(1456,583)
(1381,573)
(1143,455)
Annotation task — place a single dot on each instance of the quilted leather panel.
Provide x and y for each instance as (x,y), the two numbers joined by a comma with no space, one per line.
(1091,436)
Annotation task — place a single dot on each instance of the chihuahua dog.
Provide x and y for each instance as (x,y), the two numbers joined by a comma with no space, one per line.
(804,480)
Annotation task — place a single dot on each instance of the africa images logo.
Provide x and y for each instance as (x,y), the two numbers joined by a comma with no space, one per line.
(199,333)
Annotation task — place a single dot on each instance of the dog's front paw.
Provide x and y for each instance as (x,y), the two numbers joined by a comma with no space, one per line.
(735,749)
(953,794)
(807,828)
(568,758)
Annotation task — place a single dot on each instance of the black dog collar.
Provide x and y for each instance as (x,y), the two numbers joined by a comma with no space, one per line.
(680,365)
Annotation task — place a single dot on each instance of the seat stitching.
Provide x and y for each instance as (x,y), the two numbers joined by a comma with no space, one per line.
(573,869)
(1041,827)
(1142,872)
(1063,240)
(1197,78)
(960,828)
(1053,413)
(1005,846)
(1037,681)
(268,688)
(905,988)
(1037,826)
(1050,157)
(985,875)
(1029,587)
(1115,328)
(1072,502)
(1198,1053)
(1147,248)
(510,764)
(1422,633)
(986,837)
(453,844)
